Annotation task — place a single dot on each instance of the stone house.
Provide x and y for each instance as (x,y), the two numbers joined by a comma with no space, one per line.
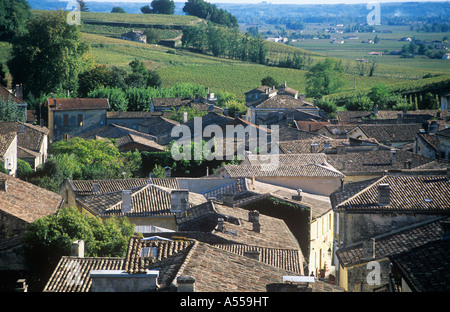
(443,137)
(135,35)
(390,204)
(32,141)
(21,203)
(8,151)
(394,135)
(290,171)
(71,117)
(16,97)
(126,139)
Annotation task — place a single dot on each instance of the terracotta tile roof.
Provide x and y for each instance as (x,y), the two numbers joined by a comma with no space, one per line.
(5,95)
(6,139)
(349,190)
(72,274)
(375,161)
(425,268)
(310,170)
(311,125)
(132,115)
(390,244)
(414,116)
(148,200)
(26,201)
(430,139)
(409,192)
(287,259)
(391,132)
(284,101)
(315,145)
(85,187)
(78,104)
(294,159)
(29,136)
(444,133)
(113,131)
(289,134)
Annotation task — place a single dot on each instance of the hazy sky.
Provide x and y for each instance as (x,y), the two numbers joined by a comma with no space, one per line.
(277,1)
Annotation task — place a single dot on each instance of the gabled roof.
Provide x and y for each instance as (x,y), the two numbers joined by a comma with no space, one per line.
(78,104)
(425,268)
(394,243)
(26,201)
(29,137)
(310,170)
(5,95)
(410,191)
(6,139)
(283,101)
(146,201)
(391,132)
(374,161)
(294,159)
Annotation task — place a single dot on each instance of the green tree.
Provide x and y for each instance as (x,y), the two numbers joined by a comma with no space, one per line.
(9,111)
(97,77)
(47,239)
(324,78)
(163,6)
(23,169)
(359,103)
(50,56)
(117,9)
(116,96)
(146,9)
(14,15)
(153,35)
(380,94)
(3,80)
(327,105)
(269,81)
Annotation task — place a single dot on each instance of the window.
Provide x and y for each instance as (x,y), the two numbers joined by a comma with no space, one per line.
(80,120)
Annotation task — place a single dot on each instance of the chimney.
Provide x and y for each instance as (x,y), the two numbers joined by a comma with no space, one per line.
(4,184)
(185,117)
(408,164)
(220,225)
(445,230)
(95,187)
(384,193)
(78,249)
(179,201)
(253,216)
(298,196)
(210,107)
(126,201)
(186,283)
(225,111)
(168,172)
(314,147)
(369,249)
(393,156)
(253,254)
(228,199)
(342,185)
(256,226)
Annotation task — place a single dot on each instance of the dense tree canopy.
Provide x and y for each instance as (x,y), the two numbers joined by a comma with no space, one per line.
(48,239)
(14,15)
(210,12)
(50,56)
(324,78)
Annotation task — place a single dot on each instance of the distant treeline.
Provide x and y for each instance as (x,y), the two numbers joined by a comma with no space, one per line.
(210,12)
(225,42)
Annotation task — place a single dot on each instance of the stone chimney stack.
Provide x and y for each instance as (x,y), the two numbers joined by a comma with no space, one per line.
(4,185)
(228,199)
(445,230)
(253,216)
(408,164)
(126,201)
(369,249)
(393,156)
(298,196)
(384,194)
(179,201)
(95,187)
(78,249)
(186,283)
(220,225)
(253,254)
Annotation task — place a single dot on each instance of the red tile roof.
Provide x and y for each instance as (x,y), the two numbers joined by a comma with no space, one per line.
(77,104)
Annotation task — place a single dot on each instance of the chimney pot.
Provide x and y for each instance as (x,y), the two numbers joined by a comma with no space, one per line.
(4,185)
(126,201)
(253,216)
(256,227)
(95,187)
(179,202)
(384,191)
(369,249)
(220,225)
(78,248)
(186,283)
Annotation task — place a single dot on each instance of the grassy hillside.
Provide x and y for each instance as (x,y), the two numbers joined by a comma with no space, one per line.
(102,31)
